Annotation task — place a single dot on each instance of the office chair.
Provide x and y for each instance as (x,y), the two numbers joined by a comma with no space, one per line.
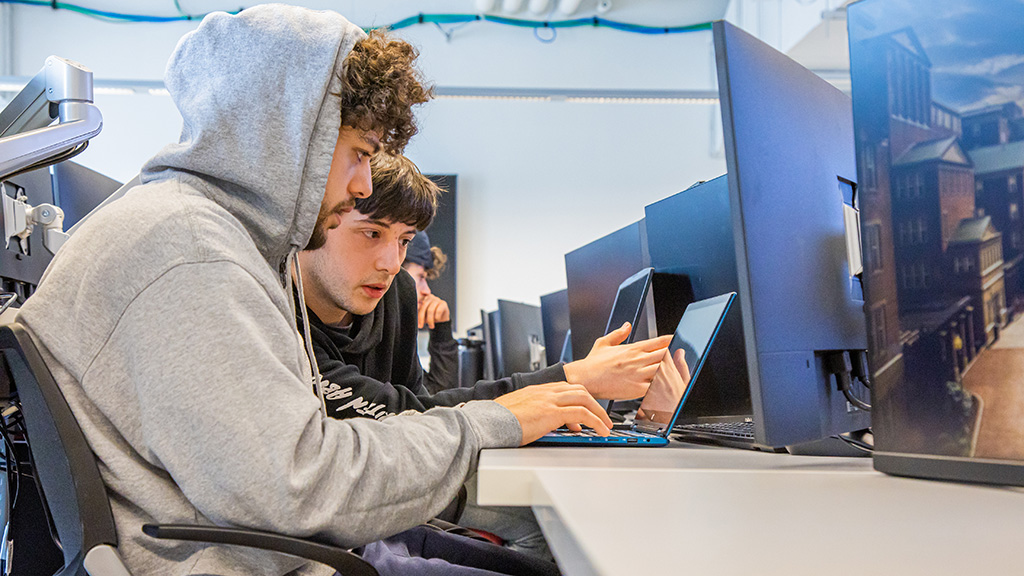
(73,493)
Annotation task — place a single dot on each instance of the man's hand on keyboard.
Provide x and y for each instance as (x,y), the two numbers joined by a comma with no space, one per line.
(617,372)
(543,407)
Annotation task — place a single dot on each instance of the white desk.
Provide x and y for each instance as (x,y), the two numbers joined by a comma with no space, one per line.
(695,510)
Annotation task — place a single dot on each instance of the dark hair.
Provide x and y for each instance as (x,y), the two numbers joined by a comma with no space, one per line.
(380,87)
(400,192)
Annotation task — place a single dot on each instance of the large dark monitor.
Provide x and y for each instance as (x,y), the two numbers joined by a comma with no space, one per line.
(709,262)
(782,242)
(521,339)
(938,102)
(76,190)
(593,273)
(442,232)
(554,313)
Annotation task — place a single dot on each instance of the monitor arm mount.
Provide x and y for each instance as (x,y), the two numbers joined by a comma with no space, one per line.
(29,140)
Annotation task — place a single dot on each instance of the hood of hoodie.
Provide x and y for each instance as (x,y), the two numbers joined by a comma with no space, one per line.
(264,148)
(365,333)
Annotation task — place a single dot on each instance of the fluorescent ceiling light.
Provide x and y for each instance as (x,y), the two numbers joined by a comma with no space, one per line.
(113,90)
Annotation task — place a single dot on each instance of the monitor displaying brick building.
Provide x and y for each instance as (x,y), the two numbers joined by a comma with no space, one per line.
(938,97)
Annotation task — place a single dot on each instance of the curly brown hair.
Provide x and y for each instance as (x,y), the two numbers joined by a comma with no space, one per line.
(380,86)
(440,262)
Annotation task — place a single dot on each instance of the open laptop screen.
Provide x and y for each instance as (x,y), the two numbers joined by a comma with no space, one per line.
(682,362)
(629,301)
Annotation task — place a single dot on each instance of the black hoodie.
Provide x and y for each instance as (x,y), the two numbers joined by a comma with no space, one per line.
(372,369)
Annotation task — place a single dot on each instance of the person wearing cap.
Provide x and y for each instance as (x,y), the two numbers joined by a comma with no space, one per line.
(425,262)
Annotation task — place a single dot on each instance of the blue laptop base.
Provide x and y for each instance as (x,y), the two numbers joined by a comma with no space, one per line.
(568,439)
(669,387)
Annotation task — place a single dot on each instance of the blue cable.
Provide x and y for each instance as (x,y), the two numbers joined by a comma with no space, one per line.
(404,23)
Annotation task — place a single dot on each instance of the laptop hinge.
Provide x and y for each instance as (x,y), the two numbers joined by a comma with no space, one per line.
(648,429)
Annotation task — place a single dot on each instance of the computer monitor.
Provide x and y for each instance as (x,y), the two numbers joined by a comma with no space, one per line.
(71,186)
(490,322)
(776,231)
(939,122)
(593,273)
(521,340)
(554,314)
(77,190)
(443,231)
(21,272)
(709,262)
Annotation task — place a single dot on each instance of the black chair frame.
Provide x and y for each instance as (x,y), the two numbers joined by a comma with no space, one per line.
(72,489)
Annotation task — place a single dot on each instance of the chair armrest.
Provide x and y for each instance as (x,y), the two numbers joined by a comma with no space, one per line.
(345,562)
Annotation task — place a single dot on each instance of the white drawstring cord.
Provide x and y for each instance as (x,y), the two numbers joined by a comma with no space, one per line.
(317,378)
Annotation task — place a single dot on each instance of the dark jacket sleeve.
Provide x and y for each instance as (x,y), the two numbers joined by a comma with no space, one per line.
(349,394)
(444,359)
(491,389)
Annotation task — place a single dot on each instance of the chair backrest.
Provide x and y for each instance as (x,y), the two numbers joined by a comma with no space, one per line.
(64,465)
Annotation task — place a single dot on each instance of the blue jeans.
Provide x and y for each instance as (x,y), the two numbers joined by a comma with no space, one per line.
(427,551)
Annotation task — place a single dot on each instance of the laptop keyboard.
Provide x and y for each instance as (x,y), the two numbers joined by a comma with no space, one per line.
(591,433)
(743,430)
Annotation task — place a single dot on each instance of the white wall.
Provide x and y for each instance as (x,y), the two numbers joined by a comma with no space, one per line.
(536,179)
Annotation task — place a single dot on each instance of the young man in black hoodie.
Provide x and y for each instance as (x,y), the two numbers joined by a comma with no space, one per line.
(363,316)
(363,313)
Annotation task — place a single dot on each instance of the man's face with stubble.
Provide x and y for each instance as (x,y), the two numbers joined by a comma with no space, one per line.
(348,180)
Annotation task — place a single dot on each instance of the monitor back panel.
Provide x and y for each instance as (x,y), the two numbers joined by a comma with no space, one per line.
(790,155)
(77,190)
(521,331)
(593,273)
(702,251)
(554,311)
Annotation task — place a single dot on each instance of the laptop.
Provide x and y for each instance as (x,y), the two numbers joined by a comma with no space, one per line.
(671,384)
(629,302)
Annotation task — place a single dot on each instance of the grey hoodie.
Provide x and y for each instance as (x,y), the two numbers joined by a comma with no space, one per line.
(166,323)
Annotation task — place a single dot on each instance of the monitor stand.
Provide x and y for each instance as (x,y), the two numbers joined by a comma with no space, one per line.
(830,446)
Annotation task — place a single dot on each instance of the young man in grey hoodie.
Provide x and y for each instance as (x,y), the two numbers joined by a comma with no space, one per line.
(167,319)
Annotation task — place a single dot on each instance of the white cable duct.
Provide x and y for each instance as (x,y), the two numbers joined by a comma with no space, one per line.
(6,40)
(485,5)
(568,7)
(538,7)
